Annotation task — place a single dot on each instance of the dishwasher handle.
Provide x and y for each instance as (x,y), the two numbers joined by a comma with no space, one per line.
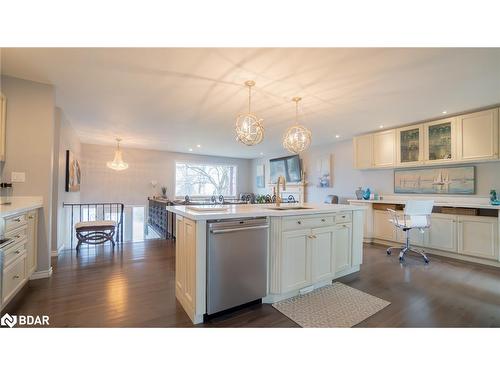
(216,231)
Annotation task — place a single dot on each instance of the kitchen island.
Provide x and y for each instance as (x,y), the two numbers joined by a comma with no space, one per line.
(309,246)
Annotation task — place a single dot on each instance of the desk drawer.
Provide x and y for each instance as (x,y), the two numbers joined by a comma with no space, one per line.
(14,277)
(307,222)
(343,217)
(18,234)
(13,252)
(15,222)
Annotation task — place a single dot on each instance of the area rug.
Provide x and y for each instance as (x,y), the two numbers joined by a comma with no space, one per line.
(335,305)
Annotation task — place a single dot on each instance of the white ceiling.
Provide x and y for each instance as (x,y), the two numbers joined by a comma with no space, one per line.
(173,99)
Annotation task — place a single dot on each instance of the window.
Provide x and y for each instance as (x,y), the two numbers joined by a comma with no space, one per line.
(205,180)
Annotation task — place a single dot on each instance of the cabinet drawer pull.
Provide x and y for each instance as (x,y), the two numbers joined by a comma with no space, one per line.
(15,277)
(323,220)
(18,219)
(299,222)
(18,251)
(31,217)
(17,236)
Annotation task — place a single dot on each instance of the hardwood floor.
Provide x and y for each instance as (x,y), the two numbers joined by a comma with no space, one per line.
(135,288)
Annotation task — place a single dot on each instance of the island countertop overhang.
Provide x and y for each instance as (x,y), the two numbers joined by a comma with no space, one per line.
(250,210)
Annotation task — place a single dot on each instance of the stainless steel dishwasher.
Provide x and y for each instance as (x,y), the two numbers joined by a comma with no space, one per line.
(237,262)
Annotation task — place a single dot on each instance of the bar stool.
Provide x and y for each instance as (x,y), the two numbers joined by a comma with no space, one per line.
(416,215)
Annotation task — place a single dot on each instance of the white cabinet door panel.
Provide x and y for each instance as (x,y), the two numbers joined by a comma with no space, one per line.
(342,247)
(442,234)
(322,253)
(384,149)
(296,260)
(363,151)
(478,135)
(383,229)
(478,236)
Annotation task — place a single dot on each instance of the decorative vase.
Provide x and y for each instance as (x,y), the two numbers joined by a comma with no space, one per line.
(359,193)
(493,196)
(366,194)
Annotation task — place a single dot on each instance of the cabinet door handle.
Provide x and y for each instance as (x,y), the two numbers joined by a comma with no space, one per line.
(299,222)
(18,252)
(323,220)
(31,217)
(18,219)
(15,277)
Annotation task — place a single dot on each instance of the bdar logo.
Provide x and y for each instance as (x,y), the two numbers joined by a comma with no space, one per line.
(8,320)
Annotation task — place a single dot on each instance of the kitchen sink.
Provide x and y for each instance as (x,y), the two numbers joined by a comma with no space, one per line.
(283,208)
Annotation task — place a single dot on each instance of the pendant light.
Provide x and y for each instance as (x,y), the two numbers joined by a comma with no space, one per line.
(249,129)
(297,137)
(117,164)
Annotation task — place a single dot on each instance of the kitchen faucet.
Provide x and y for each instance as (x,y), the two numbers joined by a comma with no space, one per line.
(281,179)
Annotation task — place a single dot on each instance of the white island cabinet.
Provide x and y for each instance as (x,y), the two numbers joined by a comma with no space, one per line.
(18,257)
(307,248)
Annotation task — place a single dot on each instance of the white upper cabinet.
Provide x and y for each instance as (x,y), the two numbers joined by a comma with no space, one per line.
(384,149)
(478,135)
(440,141)
(410,146)
(363,151)
(3,115)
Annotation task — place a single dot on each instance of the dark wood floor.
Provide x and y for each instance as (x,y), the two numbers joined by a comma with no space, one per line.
(135,288)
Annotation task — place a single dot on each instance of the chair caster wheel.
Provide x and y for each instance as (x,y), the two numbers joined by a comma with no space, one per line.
(426,261)
(401,259)
(389,252)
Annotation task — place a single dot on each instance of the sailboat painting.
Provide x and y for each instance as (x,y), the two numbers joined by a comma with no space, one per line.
(454,180)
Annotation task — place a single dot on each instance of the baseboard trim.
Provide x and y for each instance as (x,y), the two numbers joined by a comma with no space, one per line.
(55,253)
(41,274)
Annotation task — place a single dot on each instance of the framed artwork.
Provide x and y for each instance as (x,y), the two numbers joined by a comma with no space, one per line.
(324,171)
(453,180)
(73,173)
(260,179)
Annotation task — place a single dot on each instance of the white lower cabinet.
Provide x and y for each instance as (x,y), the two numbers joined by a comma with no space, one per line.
(323,253)
(185,264)
(383,229)
(442,234)
(296,260)
(313,255)
(478,236)
(342,237)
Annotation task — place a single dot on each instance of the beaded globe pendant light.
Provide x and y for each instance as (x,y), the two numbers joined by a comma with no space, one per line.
(297,137)
(117,164)
(249,129)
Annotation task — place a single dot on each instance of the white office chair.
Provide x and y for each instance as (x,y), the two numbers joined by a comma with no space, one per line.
(416,215)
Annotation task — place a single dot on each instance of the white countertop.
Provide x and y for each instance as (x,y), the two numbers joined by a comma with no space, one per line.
(460,202)
(20,204)
(254,210)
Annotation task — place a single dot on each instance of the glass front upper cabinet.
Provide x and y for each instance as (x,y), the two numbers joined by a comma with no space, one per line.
(440,141)
(409,145)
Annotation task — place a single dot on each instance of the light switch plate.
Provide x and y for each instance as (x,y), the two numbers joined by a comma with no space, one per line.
(18,177)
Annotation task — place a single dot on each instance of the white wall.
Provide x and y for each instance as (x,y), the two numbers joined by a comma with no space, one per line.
(133,186)
(29,149)
(65,139)
(346,179)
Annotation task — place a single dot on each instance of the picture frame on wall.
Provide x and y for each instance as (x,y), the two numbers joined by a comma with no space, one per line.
(448,180)
(73,173)
(324,171)
(260,177)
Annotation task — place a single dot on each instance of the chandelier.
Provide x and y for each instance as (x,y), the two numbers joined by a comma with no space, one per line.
(117,164)
(297,137)
(249,129)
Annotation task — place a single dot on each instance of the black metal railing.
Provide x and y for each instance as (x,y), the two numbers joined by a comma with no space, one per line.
(94,212)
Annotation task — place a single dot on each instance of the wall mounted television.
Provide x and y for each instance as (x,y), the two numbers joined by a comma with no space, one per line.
(288,166)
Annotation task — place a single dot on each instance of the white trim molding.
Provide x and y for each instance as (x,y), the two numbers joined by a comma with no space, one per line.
(41,274)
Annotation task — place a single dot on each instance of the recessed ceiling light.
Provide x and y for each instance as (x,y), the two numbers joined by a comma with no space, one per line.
(198,146)
(261,153)
(381,126)
(190,149)
(445,112)
(337,136)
